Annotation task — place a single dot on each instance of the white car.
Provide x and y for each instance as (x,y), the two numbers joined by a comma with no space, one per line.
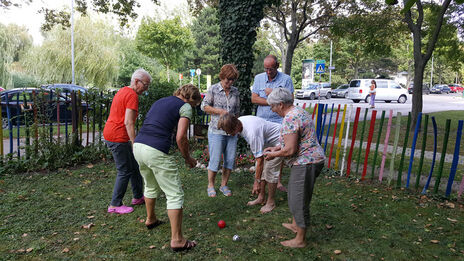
(387,90)
(314,90)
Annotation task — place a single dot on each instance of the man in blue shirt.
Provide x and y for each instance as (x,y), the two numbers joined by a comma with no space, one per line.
(264,84)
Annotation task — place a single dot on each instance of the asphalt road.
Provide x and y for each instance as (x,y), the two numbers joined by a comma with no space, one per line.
(431,103)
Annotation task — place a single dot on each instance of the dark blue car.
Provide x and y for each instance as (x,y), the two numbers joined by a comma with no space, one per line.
(18,105)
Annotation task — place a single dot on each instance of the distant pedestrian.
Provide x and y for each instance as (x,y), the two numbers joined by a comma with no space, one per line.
(119,134)
(372,91)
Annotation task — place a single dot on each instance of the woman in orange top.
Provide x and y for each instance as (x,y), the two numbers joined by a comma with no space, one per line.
(119,134)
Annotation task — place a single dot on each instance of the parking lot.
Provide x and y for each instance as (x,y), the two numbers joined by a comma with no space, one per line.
(431,103)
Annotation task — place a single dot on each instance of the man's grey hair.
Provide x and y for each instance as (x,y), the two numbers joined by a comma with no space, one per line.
(139,74)
(279,95)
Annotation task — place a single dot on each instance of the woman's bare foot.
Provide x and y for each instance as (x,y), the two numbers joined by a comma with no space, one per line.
(293,243)
(256,202)
(289,226)
(267,208)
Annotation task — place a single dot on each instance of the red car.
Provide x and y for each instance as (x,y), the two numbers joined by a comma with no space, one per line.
(456,88)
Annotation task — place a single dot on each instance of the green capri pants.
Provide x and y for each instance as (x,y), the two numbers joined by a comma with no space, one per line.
(160,173)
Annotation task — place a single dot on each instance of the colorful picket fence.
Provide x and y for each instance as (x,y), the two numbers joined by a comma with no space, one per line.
(358,145)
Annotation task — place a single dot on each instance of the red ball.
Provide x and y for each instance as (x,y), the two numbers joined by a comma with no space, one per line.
(221,224)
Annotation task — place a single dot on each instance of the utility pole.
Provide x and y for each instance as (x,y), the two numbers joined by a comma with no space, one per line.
(330,66)
(72,42)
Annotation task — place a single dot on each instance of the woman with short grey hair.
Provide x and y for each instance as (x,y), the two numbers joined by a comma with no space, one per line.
(305,157)
(280,95)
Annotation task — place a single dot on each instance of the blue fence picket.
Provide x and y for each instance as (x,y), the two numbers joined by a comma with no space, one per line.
(413,147)
(454,164)
(328,127)
(320,110)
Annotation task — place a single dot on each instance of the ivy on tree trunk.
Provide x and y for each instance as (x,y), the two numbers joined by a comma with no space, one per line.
(238,22)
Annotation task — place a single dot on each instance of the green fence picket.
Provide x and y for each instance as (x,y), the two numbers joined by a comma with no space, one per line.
(443,155)
(424,142)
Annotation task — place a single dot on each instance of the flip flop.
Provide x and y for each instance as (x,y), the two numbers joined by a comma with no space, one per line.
(226,191)
(188,245)
(153,225)
(211,192)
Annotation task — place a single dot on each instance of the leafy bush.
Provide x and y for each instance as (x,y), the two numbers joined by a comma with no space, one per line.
(24,80)
(157,90)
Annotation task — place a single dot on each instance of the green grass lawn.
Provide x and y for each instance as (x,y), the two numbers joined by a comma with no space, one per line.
(42,215)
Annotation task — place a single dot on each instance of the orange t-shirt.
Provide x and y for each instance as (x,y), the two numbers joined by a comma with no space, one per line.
(115,130)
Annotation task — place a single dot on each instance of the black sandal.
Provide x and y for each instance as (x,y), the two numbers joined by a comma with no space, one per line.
(153,225)
(188,245)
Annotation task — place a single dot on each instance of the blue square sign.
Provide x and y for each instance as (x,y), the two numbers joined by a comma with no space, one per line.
(320,68)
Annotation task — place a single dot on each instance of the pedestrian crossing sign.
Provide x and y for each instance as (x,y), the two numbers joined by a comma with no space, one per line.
(320,68)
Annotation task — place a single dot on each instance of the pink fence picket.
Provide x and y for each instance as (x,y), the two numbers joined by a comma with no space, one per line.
(387,135)
(353,140)
(369,141)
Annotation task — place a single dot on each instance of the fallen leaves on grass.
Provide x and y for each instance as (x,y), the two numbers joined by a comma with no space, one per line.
(337,252)
(65,250)
(452,220)
(434,241)
(152,247)
(29,250)
(88,226)
(90,166)
(25,235)
(329,227)
(90,217)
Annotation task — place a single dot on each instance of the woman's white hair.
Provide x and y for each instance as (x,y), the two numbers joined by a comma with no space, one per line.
(280,95)
(139,74)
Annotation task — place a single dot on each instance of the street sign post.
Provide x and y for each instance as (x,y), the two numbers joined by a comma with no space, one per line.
(198,71)
(192,73)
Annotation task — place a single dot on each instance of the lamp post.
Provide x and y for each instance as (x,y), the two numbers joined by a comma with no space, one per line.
(72,42)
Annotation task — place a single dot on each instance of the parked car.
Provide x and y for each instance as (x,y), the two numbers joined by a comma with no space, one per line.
(440,88)
(17,101)
(65,89)
(341,91)
(315,90)
(387,90)
(455,88)
(425,88)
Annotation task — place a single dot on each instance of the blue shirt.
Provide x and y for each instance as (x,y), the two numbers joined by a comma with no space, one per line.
(261,83)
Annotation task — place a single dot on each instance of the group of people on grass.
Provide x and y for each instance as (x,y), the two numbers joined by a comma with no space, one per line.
(279,132)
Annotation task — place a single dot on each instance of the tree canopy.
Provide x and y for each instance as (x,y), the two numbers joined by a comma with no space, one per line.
(96,50)
(165,41)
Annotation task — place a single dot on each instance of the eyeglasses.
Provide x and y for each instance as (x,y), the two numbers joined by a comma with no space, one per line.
(269,69)
(145,85)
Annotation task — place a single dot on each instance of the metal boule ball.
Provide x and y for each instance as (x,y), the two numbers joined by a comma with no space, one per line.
(236,238)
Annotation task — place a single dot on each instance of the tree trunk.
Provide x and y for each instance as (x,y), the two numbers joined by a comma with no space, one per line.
(417,92)
(167,71)
(291,46)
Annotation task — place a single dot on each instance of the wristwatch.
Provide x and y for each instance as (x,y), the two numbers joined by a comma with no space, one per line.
(258,180)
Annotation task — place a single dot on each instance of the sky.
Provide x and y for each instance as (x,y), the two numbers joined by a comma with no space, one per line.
(27,15)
